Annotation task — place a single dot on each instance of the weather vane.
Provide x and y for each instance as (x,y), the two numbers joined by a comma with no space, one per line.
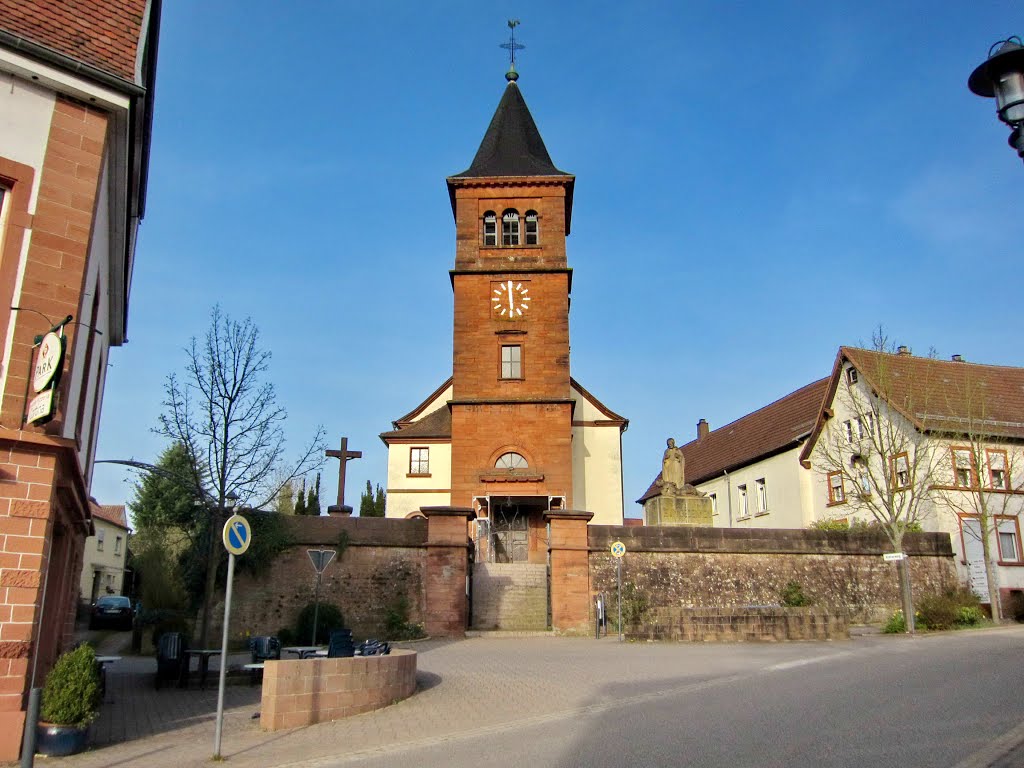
(512,46)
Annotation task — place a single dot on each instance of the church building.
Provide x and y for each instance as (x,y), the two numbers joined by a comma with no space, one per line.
(511,434)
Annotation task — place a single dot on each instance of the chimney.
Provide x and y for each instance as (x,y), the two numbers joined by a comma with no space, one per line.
(902,349)
(702,429)
(957,358)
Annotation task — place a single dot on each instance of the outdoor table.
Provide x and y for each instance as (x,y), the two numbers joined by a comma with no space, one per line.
(204,655)
(303,651)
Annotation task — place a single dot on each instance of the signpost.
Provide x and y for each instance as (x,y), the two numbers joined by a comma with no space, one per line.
(237,536)
(618,550)
(320,558)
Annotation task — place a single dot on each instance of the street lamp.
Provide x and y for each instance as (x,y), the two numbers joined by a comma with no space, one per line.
(1001,76)
(230,499)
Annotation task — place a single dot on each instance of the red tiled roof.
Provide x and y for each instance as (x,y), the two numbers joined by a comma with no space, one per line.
(112,513)
(938,395)
(103,33)
(754,436)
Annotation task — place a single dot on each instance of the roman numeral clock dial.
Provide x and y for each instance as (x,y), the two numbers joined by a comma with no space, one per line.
(510,299)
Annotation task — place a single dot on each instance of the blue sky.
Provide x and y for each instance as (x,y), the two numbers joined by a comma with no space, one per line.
(757,183)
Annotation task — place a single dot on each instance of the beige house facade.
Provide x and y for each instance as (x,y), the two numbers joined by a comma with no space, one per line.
(105,555)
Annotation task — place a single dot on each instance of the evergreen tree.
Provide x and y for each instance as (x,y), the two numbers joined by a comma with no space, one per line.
(284,502)
(366,506)
(313,505)
(380,502)
(300,500)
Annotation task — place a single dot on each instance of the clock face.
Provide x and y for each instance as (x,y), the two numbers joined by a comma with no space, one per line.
(510,299)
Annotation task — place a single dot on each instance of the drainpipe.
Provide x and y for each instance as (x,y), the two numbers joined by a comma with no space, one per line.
(728,494)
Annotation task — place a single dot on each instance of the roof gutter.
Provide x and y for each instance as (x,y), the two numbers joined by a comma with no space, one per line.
(88,71)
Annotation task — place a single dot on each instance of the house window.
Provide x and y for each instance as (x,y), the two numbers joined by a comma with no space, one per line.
(419,461)
(531,228)
(997,474)
(863,482)
(511,361)
(117,546)
(1009,542)
(851,375)
(510,227)
(99,539)
(762,496)
(900,466)
(511,460)
(744,505)
(865,424)
(963,468)
(836,490)
(848,426)
(714,503)
(490,228)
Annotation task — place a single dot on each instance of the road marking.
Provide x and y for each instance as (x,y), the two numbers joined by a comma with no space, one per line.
(803,662)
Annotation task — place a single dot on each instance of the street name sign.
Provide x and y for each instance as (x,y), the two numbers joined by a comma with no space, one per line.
(894,557)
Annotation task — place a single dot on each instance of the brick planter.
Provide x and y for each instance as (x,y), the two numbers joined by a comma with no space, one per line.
(300,692)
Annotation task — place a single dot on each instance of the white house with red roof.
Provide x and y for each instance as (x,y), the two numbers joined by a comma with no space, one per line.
(939,442)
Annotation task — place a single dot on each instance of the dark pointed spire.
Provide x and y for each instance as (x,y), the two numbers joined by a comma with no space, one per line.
(512,145)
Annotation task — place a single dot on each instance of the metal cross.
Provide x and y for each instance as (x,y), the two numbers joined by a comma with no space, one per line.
(344,456)
(512,46)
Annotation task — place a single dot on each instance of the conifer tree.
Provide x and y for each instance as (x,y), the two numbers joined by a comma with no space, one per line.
(366,506)
(380,502)
(313,504)
(300,500)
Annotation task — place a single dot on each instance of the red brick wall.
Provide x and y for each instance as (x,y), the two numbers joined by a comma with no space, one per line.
(570,572)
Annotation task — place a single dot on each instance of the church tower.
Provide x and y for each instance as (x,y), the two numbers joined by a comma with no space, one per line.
(511,434)
(511,407)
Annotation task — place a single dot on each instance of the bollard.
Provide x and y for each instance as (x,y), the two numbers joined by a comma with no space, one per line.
(28,741)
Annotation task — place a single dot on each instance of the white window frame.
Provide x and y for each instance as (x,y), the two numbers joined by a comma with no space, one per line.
(714,503)
(100,536)
(511,361)
(1004,482)
(511,460)
(490,229)
(510,228)
(117,545)
(851,375)
(532,228)
(836,491)
(744,501)
(762,496)
(419,460)
(1008,528)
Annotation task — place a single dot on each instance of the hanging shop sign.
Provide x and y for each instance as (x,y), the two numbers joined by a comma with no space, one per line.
(45,377)
(49,362)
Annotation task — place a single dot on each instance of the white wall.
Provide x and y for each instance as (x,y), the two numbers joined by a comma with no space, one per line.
(784,485)
(407,494)
(596,464)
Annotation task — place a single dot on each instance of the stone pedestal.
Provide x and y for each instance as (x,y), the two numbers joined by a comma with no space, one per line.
(570,570)
(674,508)
(447,568)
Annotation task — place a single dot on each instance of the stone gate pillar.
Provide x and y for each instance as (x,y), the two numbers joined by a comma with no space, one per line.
(570,570)
(447,569)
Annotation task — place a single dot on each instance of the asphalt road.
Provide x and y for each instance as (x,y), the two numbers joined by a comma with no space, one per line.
(931,701)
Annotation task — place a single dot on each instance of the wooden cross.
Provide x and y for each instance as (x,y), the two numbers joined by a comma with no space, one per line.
(344,456)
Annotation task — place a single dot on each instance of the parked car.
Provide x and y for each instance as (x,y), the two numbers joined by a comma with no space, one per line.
(111,611)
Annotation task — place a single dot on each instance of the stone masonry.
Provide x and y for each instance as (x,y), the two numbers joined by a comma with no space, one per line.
(511,596)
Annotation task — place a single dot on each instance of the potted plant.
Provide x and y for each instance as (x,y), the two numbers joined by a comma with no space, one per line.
(71,701)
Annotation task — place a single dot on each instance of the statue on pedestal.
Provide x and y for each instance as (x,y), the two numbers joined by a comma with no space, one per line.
(672,466)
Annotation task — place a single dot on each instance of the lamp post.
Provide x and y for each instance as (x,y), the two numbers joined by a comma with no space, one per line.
(1001,76)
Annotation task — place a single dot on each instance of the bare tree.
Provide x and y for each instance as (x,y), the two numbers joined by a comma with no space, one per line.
(981,468)
(225,414)
(877,461)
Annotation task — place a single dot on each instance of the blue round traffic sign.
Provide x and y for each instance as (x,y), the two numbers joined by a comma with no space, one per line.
(237,535)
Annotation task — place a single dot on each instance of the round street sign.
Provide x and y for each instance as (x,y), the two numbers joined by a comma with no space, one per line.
(237,535)
(618,549)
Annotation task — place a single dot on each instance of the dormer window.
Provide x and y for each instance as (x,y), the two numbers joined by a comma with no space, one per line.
(490,229)
(510,227)
(532,233)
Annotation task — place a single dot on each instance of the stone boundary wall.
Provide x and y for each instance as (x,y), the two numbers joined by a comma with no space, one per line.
(306,691)
(383,563)
(741,624)
(715,567)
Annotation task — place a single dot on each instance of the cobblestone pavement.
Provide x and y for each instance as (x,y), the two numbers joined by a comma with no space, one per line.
(468,686)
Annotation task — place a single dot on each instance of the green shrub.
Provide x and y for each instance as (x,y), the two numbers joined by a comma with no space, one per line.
(396,622)
(943,611)
(969,616)
(71,695)
(793,595)
(635,604)
(830,525)
(896,625)
(328,618)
